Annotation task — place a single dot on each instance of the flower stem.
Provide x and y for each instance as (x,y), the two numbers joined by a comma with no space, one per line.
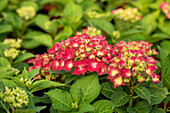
(131,93)
(4,107)
(12,108)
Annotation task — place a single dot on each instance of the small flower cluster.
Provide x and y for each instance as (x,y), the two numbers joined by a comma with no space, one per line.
(13,43)
(130,14)
(92,31)
(132,61)
(26,12)
(166,9)
(27,82)
(12,53)
(83,52)
(15,97)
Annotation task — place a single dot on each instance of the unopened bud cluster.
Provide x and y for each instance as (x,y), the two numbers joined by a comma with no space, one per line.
(13,43)
(15,97)
(129,14)
(92,31)
(26,12)
(166,9)
(94,14)
(12,53)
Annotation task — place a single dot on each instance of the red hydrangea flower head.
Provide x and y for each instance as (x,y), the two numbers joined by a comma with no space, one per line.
(165,7)
(83,52)
(133,60)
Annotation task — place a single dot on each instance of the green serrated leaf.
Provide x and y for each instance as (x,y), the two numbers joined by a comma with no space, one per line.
(143,92)
(121,109)
(25,73)
(119,98)
(61,100)
(85,89)
(33,73)
(107,89)
(143,107)
(165,68)
(104,25)
(103,106)
(23,57)
(131,110)
(156,95)
(165,44)
(43,84)
(157,110)
(85,107)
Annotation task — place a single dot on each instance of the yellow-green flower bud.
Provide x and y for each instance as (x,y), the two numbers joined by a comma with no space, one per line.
(1,95)
(75,105)
(26,12)
(116,34)
(11,53)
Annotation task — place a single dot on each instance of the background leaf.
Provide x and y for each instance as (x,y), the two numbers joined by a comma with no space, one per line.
(3,4)
(157,95)
(4,62)
(43,84)
(165,68)
(73,12)
(104,25)
(23,57)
